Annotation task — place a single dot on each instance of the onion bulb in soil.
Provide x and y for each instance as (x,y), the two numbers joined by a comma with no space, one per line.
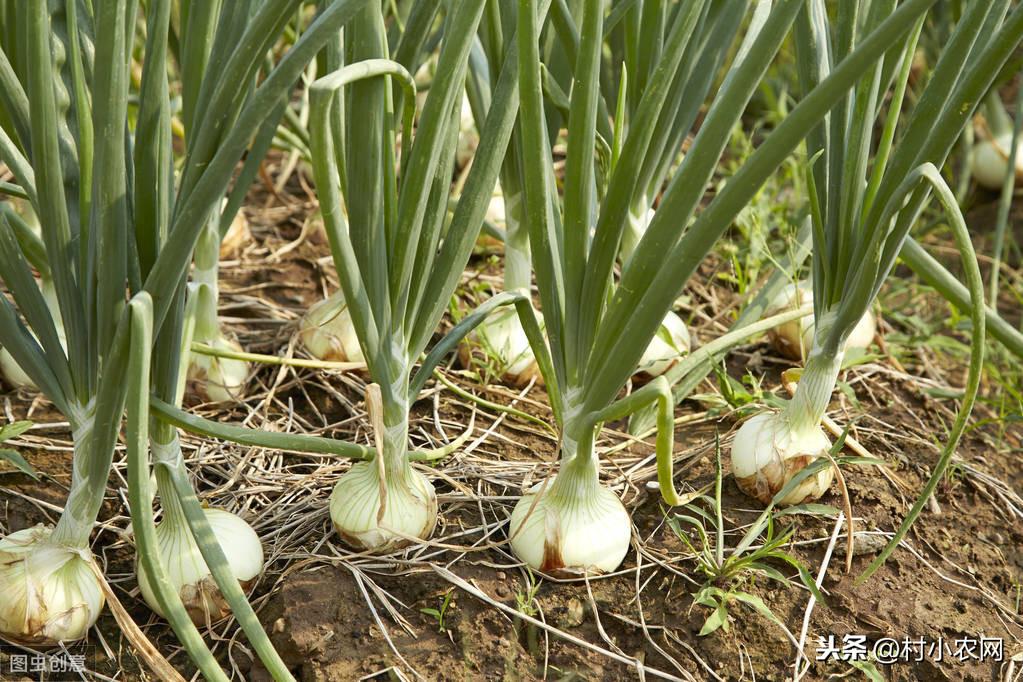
(772,447)
(666,348)
(327,332)
(187,570)
(571,525)
(409,507)
(49,593)
(214,378)
(794,339)
(990,161)
(503,341)
(384,503)
(218,379)
(767,452)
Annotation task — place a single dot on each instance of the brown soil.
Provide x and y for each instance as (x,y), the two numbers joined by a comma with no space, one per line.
(321,624)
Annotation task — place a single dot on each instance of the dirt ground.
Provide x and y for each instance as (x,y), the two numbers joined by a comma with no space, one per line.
(337,615)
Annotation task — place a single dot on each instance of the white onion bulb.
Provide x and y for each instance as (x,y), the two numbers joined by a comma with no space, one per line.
(787,338)
(48,593)
(795,338)
(410,509)
(327,332)
(861,336)
(188,572)
(570,533)
(767,452)
(666,348)
(991,161)
(504,341)
(218,379)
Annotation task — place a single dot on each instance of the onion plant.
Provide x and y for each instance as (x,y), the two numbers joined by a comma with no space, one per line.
(598,327)
(863,207)
(397,261)
(117,220)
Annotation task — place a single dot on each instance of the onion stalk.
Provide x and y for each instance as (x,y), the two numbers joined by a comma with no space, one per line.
(468,136)
(672,340)
(686,375)
(502,339)
(639,219)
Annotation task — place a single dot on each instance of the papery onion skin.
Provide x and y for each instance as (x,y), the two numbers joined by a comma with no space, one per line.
(218,379)
(410,508)
(767,452)
(187,570)
(570,527)
(327,332)
(48,593)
